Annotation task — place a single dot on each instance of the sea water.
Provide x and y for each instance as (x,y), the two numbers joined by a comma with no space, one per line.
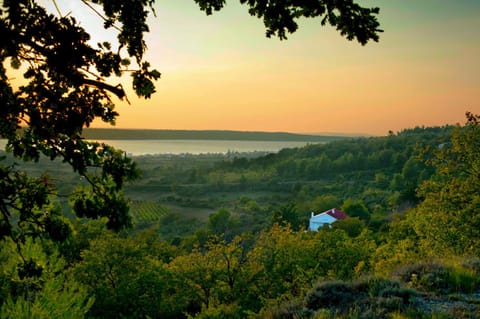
(145,147)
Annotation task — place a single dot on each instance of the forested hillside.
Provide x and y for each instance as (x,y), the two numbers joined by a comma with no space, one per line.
(223,236)
(376,176)
(138,134)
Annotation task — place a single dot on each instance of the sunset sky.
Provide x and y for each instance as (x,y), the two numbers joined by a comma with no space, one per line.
(221,72)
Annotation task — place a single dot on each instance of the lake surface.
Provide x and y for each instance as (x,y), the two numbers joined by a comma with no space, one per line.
(145,147)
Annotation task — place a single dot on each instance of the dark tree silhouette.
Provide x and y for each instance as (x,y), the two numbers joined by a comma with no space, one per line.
(279,16)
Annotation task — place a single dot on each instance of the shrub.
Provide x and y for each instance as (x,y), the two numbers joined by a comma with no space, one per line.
(378,287)
(462,279)
(365,298)
(438,277)
(330,293)
(322,314)
(291,309)
(224,311)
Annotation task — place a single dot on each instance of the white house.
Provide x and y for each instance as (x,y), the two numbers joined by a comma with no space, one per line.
(326,218)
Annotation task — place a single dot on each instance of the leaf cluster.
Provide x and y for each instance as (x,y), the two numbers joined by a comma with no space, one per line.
(64,90)
(280,16)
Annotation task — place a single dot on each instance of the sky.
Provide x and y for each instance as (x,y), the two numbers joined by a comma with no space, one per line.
(221,72)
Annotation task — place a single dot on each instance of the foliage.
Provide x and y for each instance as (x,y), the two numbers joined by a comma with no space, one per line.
(115,269)
(35,285)
(435,276)
(325,202)
(447,218)
(353,226)
(58,299)
(286,310)
(400,246)
(28,200)
(64,90)
(279,17)
(288,215)
(217,277)
(356,209)
(223,311)
(220,222)
(331,293)
(367,298)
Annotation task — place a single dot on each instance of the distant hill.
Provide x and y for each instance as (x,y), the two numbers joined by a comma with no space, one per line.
(137,134)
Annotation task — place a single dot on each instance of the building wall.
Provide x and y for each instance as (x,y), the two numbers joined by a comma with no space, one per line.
(318,221)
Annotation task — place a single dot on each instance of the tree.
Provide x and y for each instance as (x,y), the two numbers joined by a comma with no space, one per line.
(221,223)
(356,208)
(40,288)
(283,262)
(288,215)
(325,202)
(353,226)
(63,91)
(196,279)
(411,174)
(115,269)
(448,218)
(279,17)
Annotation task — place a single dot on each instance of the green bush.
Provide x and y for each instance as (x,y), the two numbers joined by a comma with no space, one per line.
(370,297)
(464,279)
(223,311)
(377,287)
(292,309)
(328,294)
(439,277)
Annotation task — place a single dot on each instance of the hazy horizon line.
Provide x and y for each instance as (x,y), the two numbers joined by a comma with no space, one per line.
(234,130)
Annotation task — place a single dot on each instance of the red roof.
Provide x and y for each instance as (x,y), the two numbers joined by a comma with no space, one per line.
(336,213)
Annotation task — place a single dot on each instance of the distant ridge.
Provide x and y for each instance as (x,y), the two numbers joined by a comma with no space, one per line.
(138,134)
